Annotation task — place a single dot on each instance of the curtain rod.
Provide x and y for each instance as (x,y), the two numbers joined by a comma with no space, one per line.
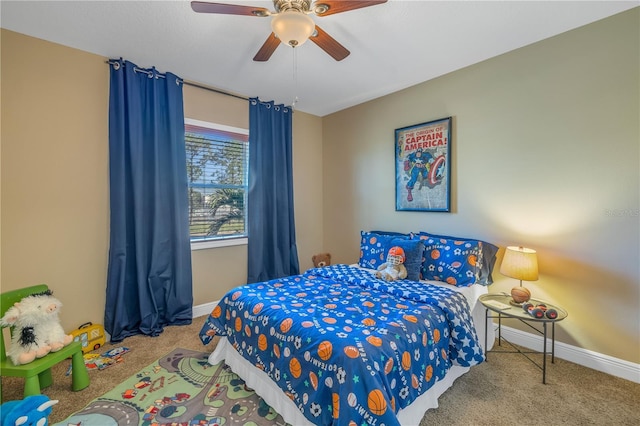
(189,83)
(222,92)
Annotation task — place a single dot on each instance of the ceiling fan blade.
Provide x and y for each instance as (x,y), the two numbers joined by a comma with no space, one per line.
(329,44)
(338,6)
(267,49)
(228,9)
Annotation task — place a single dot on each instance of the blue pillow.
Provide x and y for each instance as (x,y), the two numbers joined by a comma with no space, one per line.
(458,261)
(373,249)
(393,233)
(413,251)
(486,261)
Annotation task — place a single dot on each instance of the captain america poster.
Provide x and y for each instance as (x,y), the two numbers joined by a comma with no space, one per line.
(423,166)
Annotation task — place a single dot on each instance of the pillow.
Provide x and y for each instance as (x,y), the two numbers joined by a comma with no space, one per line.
(413,251)
(451,261)
(393,233)
(459,261)
(373,249)
(486,262)
(488,258)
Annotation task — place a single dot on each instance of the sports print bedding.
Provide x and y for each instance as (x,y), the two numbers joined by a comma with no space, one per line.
(348,348)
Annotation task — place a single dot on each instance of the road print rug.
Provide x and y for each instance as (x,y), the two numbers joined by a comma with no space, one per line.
(180,389)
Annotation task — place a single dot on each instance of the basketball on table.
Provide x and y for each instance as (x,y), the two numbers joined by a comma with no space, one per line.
(520,294)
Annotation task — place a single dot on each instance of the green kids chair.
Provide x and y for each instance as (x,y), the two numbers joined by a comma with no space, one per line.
(37,374)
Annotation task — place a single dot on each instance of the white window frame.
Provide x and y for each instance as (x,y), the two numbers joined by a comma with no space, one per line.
(219,241)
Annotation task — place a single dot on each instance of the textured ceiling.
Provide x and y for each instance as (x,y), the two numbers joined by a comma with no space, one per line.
(393,45)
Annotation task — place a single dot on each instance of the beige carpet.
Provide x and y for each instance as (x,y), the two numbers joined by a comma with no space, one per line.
(506,390)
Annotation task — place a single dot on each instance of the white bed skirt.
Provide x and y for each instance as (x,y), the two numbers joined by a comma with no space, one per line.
(275,397)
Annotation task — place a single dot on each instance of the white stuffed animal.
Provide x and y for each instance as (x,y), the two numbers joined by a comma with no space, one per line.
(25,344)
(53,332)
(393,269)
(37,329)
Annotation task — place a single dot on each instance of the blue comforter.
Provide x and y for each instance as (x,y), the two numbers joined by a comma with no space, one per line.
(347,348)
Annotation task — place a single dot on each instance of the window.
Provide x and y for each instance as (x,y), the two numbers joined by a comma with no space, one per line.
(217,171)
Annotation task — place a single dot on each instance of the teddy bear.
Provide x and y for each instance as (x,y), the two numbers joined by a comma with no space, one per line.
(393,269)
(321,260)
(36,328)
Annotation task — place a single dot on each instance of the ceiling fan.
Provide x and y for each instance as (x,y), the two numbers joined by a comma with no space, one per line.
(291,23)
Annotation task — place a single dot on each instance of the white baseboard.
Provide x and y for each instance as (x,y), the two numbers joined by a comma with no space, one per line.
(202,310)
(600,362)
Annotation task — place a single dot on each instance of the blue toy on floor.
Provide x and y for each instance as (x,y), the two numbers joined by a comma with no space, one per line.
(32,411)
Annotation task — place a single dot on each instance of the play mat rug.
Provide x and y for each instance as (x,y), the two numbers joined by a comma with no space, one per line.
(183,389)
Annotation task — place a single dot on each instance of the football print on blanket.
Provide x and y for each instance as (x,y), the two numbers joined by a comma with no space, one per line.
(347,347)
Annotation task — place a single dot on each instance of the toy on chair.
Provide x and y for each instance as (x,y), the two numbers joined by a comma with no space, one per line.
(33,410)
(36,328)
(37,373)
(54,334)
(26,345)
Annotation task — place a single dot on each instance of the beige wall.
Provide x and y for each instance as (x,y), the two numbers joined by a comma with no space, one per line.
(55,205)
(545,149)
(54,182)
(545,155)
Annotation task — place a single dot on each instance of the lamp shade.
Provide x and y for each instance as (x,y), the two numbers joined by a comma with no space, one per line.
(520,263)
(292,27)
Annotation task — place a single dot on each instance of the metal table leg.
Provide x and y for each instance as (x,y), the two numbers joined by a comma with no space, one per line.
(544,355)
(553,342)
(486,332)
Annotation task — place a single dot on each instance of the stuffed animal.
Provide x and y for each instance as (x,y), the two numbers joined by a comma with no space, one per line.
(393,269)
(33,410)
(53,332)
(25,344)
(321,260)
(36,328)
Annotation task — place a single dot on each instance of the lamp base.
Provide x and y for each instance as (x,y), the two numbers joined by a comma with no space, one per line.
(519,295)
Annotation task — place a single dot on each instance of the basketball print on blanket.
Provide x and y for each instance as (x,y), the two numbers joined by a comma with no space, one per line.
(331,335)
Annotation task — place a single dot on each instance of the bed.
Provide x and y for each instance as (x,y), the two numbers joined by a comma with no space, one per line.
(336,345)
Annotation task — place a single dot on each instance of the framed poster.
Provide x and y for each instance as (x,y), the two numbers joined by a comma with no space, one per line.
(423,166)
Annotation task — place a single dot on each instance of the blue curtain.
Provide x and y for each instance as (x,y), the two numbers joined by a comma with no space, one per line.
(149,272)
(271,226)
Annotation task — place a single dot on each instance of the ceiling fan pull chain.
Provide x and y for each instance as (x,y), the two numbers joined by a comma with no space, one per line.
(295,79)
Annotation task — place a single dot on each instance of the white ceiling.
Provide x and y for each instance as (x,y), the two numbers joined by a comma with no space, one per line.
(393,45)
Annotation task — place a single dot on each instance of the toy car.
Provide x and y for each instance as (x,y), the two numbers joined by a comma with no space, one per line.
(539,311)
(90,335)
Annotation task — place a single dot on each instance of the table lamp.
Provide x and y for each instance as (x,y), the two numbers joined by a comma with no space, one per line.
(522,264)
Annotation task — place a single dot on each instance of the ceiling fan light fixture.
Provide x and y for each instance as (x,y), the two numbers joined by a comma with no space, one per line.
(292,27)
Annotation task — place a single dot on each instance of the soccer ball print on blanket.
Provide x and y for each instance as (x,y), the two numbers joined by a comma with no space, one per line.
(345,346)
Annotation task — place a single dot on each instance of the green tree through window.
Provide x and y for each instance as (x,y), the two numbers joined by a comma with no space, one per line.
(217,169)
